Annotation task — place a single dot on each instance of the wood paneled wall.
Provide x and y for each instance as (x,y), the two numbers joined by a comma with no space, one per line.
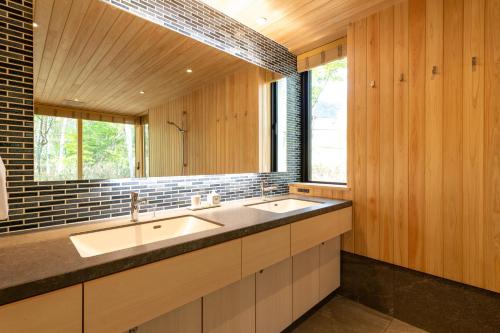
(222,119)
(426,157)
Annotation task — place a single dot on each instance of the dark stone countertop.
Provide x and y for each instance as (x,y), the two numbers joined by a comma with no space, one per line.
(37,262)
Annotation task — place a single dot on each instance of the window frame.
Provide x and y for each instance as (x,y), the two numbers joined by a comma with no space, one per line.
(306,110)
(139,125)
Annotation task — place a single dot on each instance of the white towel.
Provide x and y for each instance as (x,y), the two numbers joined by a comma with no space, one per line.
(4,197)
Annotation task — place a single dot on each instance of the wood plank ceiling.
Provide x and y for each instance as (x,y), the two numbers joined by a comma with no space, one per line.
(300,25)
(101,56)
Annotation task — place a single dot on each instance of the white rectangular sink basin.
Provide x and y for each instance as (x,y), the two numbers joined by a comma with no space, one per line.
(284,206)
(104,241)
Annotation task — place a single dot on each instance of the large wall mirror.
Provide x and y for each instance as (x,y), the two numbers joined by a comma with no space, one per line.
(117,96)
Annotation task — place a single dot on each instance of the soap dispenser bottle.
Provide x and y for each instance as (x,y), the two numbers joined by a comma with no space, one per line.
(213,198)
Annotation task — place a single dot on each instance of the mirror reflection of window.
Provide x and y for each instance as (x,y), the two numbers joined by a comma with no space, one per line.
(56,148)
(108,150)
(279,126)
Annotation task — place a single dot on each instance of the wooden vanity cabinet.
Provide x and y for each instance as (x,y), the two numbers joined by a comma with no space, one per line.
(315,230)
(265,249)
(273,297)
(329,267)
(130,298)
(59,311)
(305,281)
(186,319)
(231,309)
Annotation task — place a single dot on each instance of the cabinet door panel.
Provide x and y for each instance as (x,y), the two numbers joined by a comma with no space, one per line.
(305,281)
(120,301)
(311,232)
(231,309)
(274,298)
(186,319)
(329,267)
(265,249)
(59,311)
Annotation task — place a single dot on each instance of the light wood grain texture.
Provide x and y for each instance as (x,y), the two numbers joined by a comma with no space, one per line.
(373,136)
(473,142)
(329,267)
(312,231)
(386,137)
(103,56)
(231,309)
(264,249)
(305,281)
(445,219)
(319,21)
(433,234)
(417,72)
(492,146)
(452,139)
(55,312)
(360,138)
(222,121)
(401,134)
(273,298)
(149,291)
(186,319)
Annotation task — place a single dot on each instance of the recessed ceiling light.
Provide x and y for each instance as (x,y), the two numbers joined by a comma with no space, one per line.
(142,92)
(261,20)
(189,70)
(35,25)
(76,100)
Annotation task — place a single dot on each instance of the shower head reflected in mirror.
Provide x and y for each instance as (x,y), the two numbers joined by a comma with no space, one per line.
(176,126)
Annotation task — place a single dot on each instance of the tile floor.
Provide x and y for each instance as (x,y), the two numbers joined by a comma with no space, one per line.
(341,315)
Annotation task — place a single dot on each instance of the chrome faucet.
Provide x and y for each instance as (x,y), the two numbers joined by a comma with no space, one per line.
(264,190)
(135,202)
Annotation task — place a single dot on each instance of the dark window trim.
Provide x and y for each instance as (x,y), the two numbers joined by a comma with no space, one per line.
(274,126)
(306,131)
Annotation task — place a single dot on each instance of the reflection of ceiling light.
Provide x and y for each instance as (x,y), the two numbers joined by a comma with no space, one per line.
(261,20)
(76,100)
(189,70)
(35,25)
(142,92)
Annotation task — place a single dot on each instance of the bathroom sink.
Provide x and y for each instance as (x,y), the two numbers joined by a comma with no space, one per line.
(109,240)
(284,206)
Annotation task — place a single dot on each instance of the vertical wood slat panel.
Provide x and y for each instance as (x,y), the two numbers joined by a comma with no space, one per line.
(492,146)
(360,84)
(434,138)
(373,136)
(348,238)
(452,139)
(446,140)
(416,213)
(387,135)
(473,143)
(401,134)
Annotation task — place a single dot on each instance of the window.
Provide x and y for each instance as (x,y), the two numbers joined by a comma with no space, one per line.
(107,149)
(56,148)
(326,123)
(279,126)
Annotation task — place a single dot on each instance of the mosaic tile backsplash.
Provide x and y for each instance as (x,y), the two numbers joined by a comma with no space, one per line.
(42,204)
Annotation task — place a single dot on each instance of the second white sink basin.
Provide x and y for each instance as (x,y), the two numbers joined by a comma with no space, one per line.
(104,241)
(284,206)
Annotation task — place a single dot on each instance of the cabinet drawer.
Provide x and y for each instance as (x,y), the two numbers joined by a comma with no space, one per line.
(311,232)
(265,249)
(127,299)
(57,311)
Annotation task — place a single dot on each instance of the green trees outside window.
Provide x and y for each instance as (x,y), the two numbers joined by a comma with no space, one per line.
(108,149)
(328,159)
